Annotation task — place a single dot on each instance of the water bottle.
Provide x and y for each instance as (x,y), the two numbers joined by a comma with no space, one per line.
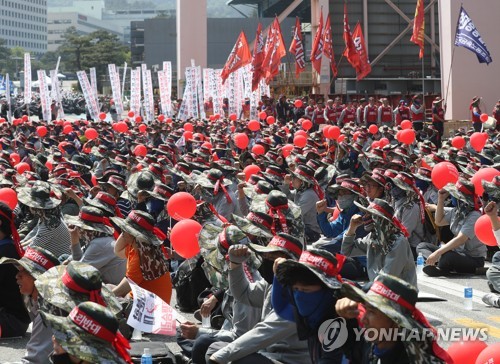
(468,297)
(146,358)
(420,264)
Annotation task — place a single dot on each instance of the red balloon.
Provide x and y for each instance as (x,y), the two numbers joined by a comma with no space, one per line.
(22,167)
(483,118)
(489,355)
(444,173)
(458,142)
(2,120)
(258,149)
(373,129)
(262,115)
(188,127)
(161,118)
(341,138)
(212,117)
(140,150)
(406,124)
(250,171)
(253,125)
(466,352)
(208,145)
(484,174)
(67,129)
(41,130)
(300,141)
(181,206)
(484,231)
(287,149)
(188,135)
(24,118)
(334,132)
(184,238)
(130,114)
(91,134)
(138,119)
(478,141)
(356,135)
(298,103)
(301,132)
(326,130)
(49,165)
(307,124)
(142,128)
(271,120)
(121,127)
(232,128)
(384,142)
(102,115)
(241,140)
(9,196)
(375,144)
(14,158)
(233,117)
(169,120)
(407,136)
(217,116)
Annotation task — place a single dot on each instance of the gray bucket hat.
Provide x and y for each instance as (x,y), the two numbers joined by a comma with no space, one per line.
(92,219)
(37,196)
(283,243)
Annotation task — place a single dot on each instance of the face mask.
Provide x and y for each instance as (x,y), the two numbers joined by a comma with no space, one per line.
(313,306)
(368,222)
(397,193)
(345,201)
(353,156)
(266,270)
(154,206)
(454,201)
(422,185)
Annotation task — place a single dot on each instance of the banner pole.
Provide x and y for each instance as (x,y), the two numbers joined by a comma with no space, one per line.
(423,87)
(449,76)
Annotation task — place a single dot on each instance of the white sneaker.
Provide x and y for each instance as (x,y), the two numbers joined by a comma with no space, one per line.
(492,299)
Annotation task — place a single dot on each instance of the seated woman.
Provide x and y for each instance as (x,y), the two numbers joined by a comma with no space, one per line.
(493,274)
(140,243)
(14,318)
(464,253)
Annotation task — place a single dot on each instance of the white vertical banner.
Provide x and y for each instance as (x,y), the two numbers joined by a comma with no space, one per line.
(56,93)
(193,104)
(167,68)
(93,81)
(162,83)
(220,92)
(9,98)
(114,79)
(44,94)
(199,88)
(206,85)
(150,111)
(27,78)
(231,93)
(135,91)
(146,90)
(123,82)
(88,94)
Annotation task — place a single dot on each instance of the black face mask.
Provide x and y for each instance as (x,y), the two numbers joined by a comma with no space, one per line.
(266,270)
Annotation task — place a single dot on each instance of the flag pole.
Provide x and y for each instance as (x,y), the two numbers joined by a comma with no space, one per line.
(449,75)
(423,86)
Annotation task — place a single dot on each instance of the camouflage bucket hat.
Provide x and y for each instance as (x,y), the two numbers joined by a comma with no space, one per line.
(92,219)
(161,192)
(103,201)
(347,184)
(214,243)
(255,223)
(492,188)
(37,196)
(140,225)
(462,190)
(115,181)
(90,333)
(67,286)
(262,187)
(404,181)
(321,263)
(35,261)
(396,299)
(212,178)
(140,181)
(283,243)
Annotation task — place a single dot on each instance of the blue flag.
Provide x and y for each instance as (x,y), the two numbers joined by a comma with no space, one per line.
(467,36)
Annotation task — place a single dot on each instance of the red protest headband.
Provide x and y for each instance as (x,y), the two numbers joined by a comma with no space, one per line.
(92,218)
(280,242)
(384,291)
(319,262)
(38,258)
(462,188)
(256,218)
(106,198)
(142,222)
(88,324)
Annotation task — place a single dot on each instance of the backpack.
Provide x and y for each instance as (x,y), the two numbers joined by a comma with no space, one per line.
(189,281)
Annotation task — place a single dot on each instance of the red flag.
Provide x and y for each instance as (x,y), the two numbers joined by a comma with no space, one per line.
(350,49)
(257,58)
(328,46)
(317,48)
(240,56)
(364,63)
(419,27)
(297,49)
(275,52)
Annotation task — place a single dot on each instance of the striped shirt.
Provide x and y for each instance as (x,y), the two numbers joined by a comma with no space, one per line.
(56,239)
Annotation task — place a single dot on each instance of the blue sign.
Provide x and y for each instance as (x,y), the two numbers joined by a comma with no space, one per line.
(467,36)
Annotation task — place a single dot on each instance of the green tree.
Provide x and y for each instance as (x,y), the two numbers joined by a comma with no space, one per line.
(73,47)
(4,56)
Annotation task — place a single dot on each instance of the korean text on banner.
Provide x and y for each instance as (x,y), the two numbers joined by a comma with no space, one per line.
(27,77)
(88,94)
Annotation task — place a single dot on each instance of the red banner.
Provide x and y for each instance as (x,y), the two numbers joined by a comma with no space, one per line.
(275,52)
(328,46)
(317,49)
(297,49)
(419,27)
(350,49)
(240,56)
(364,63)
(257,58)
